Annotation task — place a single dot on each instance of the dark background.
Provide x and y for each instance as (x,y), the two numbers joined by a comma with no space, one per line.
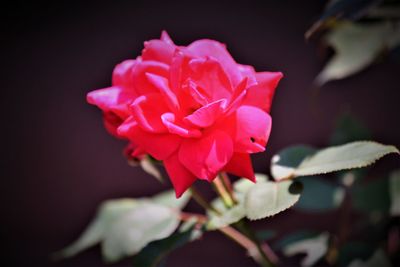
(60,163)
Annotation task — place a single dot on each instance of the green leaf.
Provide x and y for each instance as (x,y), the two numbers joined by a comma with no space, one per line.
(294,237)
(243,185)
(343,157)
(354,250)
(319,195)
(149,166)
(379,258)
(356,46)
(169,199)
(270,198)
(349,129)
(155,251)
(136,228)
(394,188)
(227,217)
(286,161)
(265,234)
(314,248)
(94,233)
(372,196)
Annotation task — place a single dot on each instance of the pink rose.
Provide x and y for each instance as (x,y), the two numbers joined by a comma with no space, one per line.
(193,107)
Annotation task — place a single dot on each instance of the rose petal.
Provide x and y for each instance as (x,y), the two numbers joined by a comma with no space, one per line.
(253,129)
(162,84)
(122,74)
(211,78)
(165,38)
(159,146)
(261,94)
(207,48)
(206,156)
(140,81)
(147,111)
(240,165)
(206,115)
(113,99)
(180,177)
(174,127)
(158,50)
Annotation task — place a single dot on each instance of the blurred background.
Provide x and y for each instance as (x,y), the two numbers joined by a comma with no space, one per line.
(60,163)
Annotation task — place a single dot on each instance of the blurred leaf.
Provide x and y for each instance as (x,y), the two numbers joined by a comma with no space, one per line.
(270,198)
(150,167)
(379,258)
(348,156)
(94,233)
(124,226)
(265,234)
(348,9)
(136,228)
(243,185)
(372,196)
(394,189)
(349,129)
(155,251)
(341,9)
(356,47)
(228,217)
(354,250)
(319,196)
(286,161)
(314,248)
(169,199)
(294,237)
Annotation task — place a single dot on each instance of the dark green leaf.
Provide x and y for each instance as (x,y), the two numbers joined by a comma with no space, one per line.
(372,196)
(156,251)
(294,237)
(319,195)
(349,129)
(354,250)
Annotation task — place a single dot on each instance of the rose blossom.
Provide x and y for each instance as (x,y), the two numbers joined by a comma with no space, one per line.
(193,107)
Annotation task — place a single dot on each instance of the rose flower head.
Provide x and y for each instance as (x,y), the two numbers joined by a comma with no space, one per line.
(193,107)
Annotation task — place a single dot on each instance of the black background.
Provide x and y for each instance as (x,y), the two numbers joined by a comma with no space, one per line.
(60,163)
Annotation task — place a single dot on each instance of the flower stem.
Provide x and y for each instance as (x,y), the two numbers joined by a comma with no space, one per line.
(223,192)
(202,201)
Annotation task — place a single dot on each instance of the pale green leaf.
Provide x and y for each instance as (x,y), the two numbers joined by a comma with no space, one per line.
(285,162)
(314,248)
(150,167)
(379,258)
(135,229)
(269,198)
(228,217)
(394,189)
(169,199)
(357,46)
(94,233)
(352,155)
(243,185)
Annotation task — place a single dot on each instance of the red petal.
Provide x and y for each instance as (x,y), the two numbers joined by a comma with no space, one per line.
(240,165)
(210,48)
(147,111)
(175,127)
(160,146)
(158,50)
(140,81)
(261,94)
(206,115)
(180,177)
(253,129)
(206,156)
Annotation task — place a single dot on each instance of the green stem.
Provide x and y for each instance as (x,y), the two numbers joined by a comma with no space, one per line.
(202,201)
